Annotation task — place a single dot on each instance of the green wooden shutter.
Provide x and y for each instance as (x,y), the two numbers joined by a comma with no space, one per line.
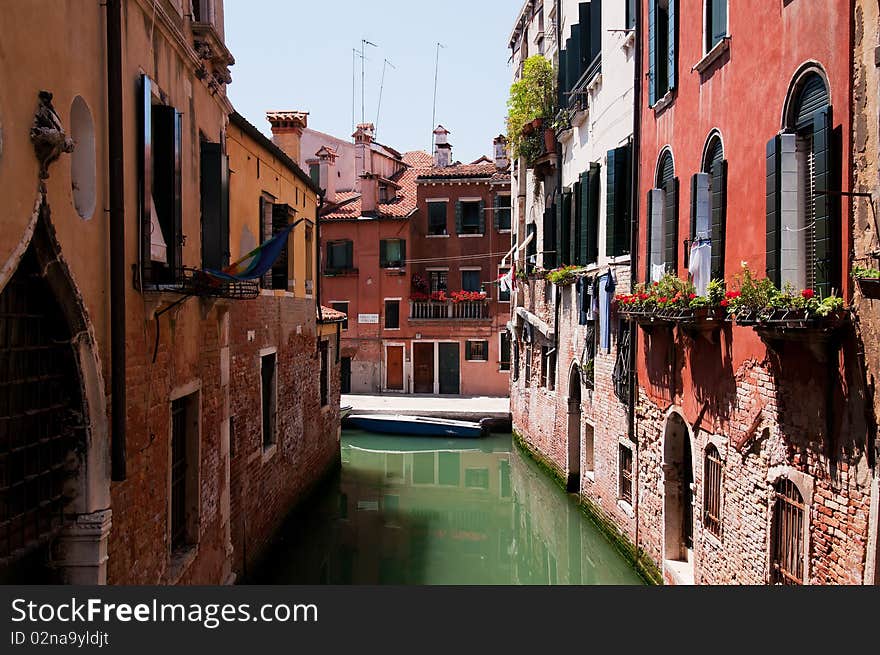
(718,216)
(648,228)
(592,193)
(550,239)
(584,20)
(402,253)
(573,59)
(670,232)
(280,220)
(595,31)
(562,79)
(718,24)
(496,212)
(693,232)
(611,205)
(578,232)
(567,248)
(618,201)
(672,54)
(559,255)
(825,223)
(630,14)
(774,214)
(349,254)
(458,217)
(383,253)
(482,218)
(652,52)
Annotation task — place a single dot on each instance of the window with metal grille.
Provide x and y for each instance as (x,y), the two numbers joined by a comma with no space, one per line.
(622,375)
(178,473)
(269,395)
(588,356)
(787,555)
(625,464)
(477,351)
(712,491)
(504,363)
(42,423)
(439,280)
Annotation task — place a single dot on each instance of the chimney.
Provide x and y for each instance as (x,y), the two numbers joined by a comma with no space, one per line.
(442,147)
(363,151)
(287,129)
(327,172)
(369,194)
(500,148)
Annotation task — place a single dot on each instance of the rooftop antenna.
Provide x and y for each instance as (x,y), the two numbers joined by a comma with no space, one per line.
(434,110)
(354,54)
(364,44)
(382,86)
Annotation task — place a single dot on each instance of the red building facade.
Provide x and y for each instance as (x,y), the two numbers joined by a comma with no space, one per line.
(752,461)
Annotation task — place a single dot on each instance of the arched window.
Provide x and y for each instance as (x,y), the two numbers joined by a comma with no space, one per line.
(803,228)
(708,216)
(662,251)
(83,170)
(787,538)
(712,490)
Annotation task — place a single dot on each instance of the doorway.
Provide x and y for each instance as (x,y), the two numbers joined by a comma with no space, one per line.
(449,368)
(345,375)
(573,483)
(423,368)
(394,368)
(678,474)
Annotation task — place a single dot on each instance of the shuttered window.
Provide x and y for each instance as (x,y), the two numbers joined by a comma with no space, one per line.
(580,59)
(618,201)
(662,233)
(716,22)
(550,238)
(502,212)
(339,256)
(215,206)
(392,253)
(469,217)
(436,218)
(281,215)
(662,56)
(588,216)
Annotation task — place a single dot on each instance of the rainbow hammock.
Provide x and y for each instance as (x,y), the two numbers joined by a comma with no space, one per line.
(258,261)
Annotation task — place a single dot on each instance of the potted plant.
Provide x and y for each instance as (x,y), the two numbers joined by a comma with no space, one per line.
(563,276)
(868,280)
(532,98)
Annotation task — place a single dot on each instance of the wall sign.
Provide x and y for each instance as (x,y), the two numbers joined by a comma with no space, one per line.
(368,318)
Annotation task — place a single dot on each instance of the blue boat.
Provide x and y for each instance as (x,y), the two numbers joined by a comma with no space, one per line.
(415,426)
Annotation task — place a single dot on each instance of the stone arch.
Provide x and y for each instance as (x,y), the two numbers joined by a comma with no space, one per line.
(64,362)
(665,153)
(678,478)
(798,80)
(574,429)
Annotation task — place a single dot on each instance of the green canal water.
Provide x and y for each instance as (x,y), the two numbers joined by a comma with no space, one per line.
(407,510)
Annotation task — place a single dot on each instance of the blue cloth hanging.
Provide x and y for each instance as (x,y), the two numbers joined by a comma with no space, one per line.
(606,293)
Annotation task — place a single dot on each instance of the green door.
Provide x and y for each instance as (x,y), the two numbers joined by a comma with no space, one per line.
(449,368)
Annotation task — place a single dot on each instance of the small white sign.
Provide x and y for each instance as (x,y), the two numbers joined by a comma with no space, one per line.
(368,318)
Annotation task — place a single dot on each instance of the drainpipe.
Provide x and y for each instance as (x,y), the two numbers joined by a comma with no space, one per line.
(318,208)
(116,177)
(633,257)
(556,292)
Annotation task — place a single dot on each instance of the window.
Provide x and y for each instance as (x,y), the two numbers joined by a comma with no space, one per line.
(787,555)
(662,256)
(477,351)
(315,173)
(392,314)
(340,256)
(586,212)
(515,371)
(716,22)
(622,375)
(282,215)
(708,215)
(310,260)
(436,218)
(341,306)
(203,11)
(392,253)
(528,359)
(325,374)
(625,474)
(469,217)
(803,224)
(502,212)
(618,201)
(712,491)
(631,14)
(470,281)
(503,293)
(548,367)
(504,364)
(588,357)
(269,394)
(476,478)
(438,280)
(184,518)
(215,206)
(662,61)
(160,191)
(580,59)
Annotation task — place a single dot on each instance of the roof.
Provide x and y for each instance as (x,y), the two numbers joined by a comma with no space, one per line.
(348,204)
(242,123)
(329,315)
(458,170)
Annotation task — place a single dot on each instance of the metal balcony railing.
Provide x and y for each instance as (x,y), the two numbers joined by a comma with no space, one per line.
(432,310)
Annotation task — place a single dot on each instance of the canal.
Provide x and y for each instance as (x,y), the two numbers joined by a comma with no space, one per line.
(407,510)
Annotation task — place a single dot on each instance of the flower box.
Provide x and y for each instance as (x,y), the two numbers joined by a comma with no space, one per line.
(869,286)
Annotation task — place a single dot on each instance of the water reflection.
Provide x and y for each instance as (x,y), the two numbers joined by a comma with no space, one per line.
(441,511)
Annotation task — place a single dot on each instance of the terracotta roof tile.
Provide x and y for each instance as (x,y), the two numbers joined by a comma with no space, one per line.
(460,170)
(329,315)
(418,159)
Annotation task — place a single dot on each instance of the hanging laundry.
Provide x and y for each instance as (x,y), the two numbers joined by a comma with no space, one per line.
(594,300)
(657,271)
(701,265)
(584,289)
(607,285)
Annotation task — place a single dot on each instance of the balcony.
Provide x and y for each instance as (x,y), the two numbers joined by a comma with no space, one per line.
(433,310)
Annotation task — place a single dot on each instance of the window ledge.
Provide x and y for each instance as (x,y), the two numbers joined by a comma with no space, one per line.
(436,236)
(710,57)
(663,102)
(269,453)
(626,508)
(711,537)
(471,236)
(620,259)
(590,475)
(507,231)
(181,559)
(629,39)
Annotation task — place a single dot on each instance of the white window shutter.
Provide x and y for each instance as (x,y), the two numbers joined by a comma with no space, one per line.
(658,203)
(791,237)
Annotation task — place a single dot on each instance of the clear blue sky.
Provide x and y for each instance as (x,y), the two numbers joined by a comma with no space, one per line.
(297,55)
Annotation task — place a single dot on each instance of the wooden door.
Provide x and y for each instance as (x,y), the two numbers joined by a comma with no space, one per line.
(345,375)
(449,368)
(423,368)
(394,368)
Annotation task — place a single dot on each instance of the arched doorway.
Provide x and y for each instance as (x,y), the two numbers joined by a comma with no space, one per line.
(678,498)
(574,430)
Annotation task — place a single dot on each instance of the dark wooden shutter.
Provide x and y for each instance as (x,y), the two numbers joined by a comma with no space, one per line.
(145,171)
(532,248)
(178,190)
(617,202)
(550,239)
(652,52)
(383,253)
(718,24)
(648,228)
(349,255)
(482,218)
(591,193)
(458,217)
(559,256)
(562,98)
(584,20)
(718,216)
(566,256)
(573,59)
(402,253)
(595,31)
(280,219)
(611,205)
(670,232)
(774,214)
(215,206)
(630,14)
(166,185)
(496,212)
(673,59)
(582,209)
(825,220)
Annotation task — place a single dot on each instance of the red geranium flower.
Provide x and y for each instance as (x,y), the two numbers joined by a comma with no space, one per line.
(725,302)
(691,296)
(808,293)
(663,299)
